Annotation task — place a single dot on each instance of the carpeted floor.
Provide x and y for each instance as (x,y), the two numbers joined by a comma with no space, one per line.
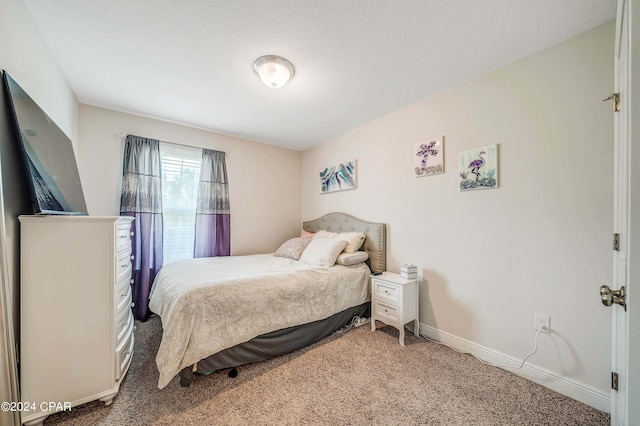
(356,378)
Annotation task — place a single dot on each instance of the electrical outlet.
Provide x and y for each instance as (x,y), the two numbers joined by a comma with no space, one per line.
(544,321)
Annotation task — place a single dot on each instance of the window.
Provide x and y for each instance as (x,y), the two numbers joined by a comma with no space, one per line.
(180,178)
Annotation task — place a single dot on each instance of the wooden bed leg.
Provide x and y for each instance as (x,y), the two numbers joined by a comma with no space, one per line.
(186,375)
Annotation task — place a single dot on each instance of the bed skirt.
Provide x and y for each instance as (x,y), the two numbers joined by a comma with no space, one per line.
(274,344)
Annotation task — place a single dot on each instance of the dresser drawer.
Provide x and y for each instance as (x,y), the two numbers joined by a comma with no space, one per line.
(124,353)
(121,287)
(122,300)
(385,291)
(122,325)
(123,236)
(123,265)
(387,312)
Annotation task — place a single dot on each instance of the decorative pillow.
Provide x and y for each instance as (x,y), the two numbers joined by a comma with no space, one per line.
(354,239)
(293,248)
(304,234)
(347,259)
(325,234)
(323,251)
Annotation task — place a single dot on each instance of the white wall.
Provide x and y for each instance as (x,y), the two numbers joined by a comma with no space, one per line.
(25,56)
(490,259)
(264,181)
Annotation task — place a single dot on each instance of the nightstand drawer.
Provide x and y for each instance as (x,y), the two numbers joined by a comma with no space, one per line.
(384,311)
(386,291)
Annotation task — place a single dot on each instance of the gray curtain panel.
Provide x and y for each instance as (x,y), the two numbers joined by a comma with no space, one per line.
(142,199)
(213,228)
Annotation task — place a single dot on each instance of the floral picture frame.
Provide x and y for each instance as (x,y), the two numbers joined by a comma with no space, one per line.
(429,157)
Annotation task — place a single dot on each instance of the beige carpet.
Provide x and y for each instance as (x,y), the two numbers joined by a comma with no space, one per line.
(359,378)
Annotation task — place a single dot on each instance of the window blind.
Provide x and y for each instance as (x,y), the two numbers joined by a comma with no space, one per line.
(180,179)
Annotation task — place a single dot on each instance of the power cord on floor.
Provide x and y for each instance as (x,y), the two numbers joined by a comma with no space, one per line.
(355,322)
(535,349)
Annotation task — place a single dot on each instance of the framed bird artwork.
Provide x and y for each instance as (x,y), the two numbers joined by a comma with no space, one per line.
(479,168)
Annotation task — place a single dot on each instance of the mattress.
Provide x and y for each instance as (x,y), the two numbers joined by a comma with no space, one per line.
(210,304)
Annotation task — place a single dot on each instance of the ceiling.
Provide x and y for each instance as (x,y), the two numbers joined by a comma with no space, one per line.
(191,61)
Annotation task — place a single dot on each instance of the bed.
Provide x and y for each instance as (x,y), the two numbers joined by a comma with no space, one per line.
(224,312)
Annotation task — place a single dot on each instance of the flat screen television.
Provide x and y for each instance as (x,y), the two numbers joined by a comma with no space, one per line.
(50,163)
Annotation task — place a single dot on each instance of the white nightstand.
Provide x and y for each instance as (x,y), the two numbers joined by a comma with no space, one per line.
(394,301)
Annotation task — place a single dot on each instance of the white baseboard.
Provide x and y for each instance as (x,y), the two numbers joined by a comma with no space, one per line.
(561,384)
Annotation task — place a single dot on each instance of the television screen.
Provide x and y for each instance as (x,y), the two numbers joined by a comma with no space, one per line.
(50,163)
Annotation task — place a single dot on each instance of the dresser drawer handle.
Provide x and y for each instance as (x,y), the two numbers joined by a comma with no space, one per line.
(386,292)
(123,236)
(128,352)
(124,265)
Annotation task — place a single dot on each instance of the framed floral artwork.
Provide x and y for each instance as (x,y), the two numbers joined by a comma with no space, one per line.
(429,157)
(479,168)
(338,178)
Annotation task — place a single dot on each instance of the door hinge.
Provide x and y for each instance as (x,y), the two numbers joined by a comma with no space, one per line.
(614,381)
(616,101)
(616,242)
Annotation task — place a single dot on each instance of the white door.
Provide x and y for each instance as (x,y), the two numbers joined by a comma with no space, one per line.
(625,401)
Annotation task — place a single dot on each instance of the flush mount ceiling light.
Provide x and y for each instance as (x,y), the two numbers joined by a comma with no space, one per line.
(274,71)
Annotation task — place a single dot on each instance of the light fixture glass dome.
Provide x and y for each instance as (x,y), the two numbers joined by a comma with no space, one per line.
(274,71)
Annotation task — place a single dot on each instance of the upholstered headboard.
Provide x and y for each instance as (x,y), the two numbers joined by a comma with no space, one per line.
(375,244)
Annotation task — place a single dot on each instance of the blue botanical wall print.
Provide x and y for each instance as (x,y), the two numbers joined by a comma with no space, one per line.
(338,178)
(429,159)
(479,168)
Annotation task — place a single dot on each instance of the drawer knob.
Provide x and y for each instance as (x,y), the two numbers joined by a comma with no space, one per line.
(132,257)
(133,304)
(131,281)
(124,265)
(131,233)
(386,291)
(128,352)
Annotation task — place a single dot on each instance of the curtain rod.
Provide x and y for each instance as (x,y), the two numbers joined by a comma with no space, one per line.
(124,137)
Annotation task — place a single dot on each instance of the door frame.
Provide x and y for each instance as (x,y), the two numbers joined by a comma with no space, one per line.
(625,345)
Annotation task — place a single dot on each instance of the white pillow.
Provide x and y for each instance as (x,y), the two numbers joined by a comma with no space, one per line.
(347,259)
(354,239)
(325,234)
(323,251)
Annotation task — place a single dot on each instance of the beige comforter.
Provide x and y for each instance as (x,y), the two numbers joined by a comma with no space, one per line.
(211,304)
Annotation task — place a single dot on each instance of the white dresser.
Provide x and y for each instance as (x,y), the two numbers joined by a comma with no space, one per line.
(76,324)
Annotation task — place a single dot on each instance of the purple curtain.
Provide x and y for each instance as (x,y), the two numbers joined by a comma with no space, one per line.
(142,200)
(213,228)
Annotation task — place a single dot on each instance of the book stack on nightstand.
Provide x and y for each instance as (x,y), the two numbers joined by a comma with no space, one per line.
(409,272)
